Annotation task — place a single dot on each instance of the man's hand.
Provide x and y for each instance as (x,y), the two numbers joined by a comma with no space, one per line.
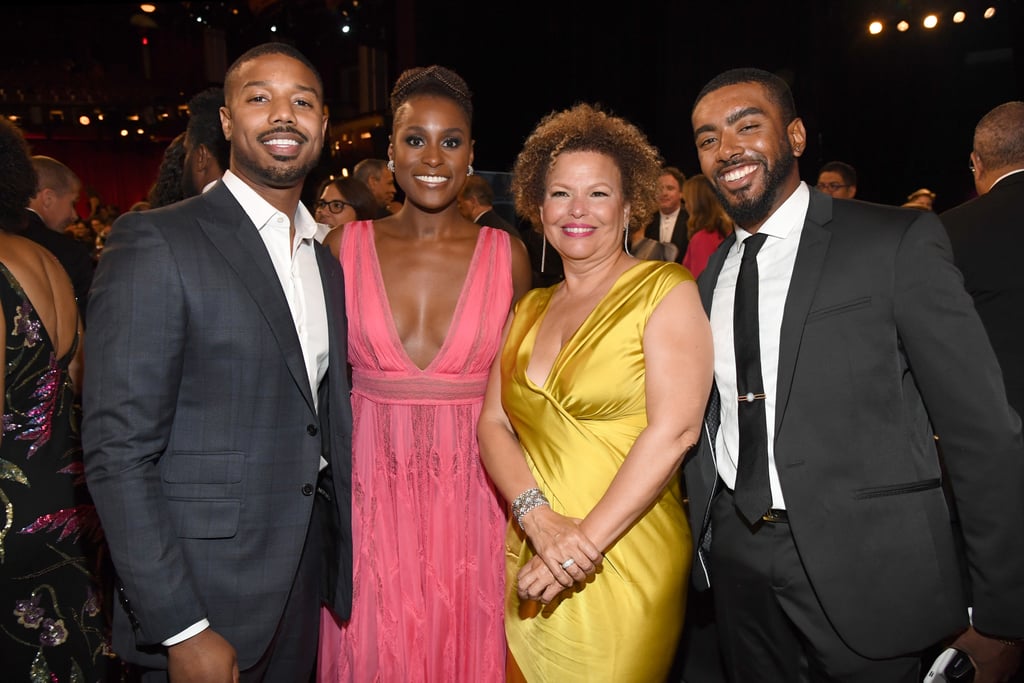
(204,658)
(994,660)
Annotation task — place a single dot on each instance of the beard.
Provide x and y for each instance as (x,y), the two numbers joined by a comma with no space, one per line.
(752,209)
(290,173)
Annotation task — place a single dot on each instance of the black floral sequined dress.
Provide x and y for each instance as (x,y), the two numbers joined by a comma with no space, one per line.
(52,622)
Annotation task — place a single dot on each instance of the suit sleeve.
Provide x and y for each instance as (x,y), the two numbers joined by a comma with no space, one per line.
(137,328)
(954,365)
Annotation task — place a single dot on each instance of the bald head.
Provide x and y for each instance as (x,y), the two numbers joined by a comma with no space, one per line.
(998,144)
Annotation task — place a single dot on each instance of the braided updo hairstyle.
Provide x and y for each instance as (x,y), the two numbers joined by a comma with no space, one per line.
(432,80)
(587,128)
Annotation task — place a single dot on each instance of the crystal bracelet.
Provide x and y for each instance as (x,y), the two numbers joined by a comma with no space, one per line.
(526,501)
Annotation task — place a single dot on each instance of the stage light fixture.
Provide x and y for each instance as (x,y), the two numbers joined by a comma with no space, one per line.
(930,21)
(875,27)
(959,17)
(990,12)
(84,120)
(903,26)
(147,8)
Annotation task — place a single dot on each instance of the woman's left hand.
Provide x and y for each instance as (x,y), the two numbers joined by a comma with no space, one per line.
(536,582)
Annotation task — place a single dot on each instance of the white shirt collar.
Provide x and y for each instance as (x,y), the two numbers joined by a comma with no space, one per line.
(261,212)
(787,218)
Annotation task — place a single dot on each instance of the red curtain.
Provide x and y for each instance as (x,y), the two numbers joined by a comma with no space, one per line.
(120,172)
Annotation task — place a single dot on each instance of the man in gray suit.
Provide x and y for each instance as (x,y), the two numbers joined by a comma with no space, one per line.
(869,346)
(217,424)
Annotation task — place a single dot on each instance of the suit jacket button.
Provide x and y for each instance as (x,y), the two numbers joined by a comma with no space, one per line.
(307,489)
(311,430)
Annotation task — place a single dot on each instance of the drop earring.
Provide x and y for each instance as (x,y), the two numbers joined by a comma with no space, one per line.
(543,251)
(391,165)
(625,239)
(469,170)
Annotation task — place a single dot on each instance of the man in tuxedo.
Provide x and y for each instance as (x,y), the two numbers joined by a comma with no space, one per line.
(987,234)
(217,424)
(49,212)
(476,203)
(823,529)
(669,224)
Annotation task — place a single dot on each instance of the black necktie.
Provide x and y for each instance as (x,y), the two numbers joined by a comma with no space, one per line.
(753,494)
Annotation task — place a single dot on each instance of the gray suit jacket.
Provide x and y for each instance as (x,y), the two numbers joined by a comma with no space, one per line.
(202,444)
(880,350)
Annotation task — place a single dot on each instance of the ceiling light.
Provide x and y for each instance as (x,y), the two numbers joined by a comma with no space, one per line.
(875,27)
(930,21)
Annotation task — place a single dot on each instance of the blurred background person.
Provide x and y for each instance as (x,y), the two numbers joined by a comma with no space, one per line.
(839,179)
(207,152)
(986,236)
(669,223)
(379,177)
(923,199)
(51,211)
(427,293)
(644,248)
(476,203)
(708,224)
(167,188)
(53,622)
(343,200)
(597,394)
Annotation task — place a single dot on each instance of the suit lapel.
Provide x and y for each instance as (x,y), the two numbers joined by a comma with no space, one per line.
(240,244)
(807,271)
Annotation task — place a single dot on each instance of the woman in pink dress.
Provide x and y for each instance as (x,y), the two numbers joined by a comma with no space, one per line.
(428,293)
(708,224)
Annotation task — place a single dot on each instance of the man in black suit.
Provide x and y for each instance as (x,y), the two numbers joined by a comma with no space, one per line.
(50,211)
(988,235)
(379,177)
(217,425)
(669,224)
(476,203)
(845,560)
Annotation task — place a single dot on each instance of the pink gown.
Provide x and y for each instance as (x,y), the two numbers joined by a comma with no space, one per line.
(428,525)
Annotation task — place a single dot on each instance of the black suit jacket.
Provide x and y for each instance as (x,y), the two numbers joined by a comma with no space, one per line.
(493,219)
(75,257)
(679,237)
(202,440)
(987,234)
(880,350)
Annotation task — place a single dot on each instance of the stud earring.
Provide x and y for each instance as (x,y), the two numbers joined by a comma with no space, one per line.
(391,165)
(469,170)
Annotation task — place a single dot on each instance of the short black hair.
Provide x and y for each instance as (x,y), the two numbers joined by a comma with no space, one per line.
(273,49)
(777,88)
(847,172)
(204,127)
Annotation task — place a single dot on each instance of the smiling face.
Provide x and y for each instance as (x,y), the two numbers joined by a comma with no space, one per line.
(747,151)
(432,150)
(323,208)
(670,194)
(584,208)
(274,118)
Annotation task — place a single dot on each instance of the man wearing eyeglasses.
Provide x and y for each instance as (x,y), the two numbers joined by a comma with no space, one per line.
(838,179)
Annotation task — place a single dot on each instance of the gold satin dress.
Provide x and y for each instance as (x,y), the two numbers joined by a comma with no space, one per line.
(576,431)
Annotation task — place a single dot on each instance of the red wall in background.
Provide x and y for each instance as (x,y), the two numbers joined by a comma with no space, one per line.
(120,172)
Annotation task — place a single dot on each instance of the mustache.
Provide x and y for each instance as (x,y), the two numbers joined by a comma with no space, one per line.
(284,129)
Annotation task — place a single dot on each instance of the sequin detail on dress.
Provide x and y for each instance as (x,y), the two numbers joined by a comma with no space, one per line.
(52,627)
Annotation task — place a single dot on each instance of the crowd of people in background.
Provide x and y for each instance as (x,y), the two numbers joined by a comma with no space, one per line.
(355,437)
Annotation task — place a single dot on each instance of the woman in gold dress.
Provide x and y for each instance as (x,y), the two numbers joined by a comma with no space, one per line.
(598,393)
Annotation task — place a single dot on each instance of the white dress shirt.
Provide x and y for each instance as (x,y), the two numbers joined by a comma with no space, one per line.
(668,225)
(297,269)
(775,268)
